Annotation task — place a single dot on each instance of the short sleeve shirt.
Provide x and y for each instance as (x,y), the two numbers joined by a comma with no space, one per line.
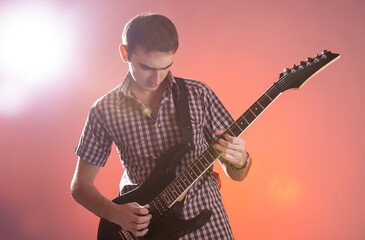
(119,118)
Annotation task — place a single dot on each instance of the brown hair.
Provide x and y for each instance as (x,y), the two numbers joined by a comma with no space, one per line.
(152,32)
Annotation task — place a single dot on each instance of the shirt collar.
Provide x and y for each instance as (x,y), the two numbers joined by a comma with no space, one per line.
(125,87)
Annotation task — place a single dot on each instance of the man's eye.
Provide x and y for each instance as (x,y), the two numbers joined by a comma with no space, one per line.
(145,68)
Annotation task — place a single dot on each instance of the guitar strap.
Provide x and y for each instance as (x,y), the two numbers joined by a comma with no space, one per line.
(184,121)
(183,112)
(180,96)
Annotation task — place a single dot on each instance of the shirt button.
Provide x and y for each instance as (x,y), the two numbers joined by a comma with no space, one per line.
(158,125)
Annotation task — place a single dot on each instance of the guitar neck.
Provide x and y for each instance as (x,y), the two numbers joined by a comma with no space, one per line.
(182,183)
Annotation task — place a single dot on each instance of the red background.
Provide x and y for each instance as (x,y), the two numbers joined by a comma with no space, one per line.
(307,177)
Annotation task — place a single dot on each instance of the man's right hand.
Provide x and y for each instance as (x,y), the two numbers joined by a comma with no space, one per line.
(131,217)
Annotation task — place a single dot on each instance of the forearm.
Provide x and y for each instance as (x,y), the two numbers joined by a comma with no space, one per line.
(88,196)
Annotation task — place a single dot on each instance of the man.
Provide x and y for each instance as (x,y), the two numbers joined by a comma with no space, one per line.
(139,117)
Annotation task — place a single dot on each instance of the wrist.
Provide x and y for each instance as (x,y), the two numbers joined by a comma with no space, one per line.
(239,167)
(110,210)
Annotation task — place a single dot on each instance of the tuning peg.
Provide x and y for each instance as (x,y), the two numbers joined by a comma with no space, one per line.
(309,59)
(287,70)
(318,57)
(302,63)
(324,51)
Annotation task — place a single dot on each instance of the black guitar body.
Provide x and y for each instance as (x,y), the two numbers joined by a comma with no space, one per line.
(164,223)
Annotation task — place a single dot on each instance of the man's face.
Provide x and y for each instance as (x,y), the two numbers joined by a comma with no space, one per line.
(149,69)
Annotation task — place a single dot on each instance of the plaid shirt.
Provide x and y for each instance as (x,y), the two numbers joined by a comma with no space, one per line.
(119,118)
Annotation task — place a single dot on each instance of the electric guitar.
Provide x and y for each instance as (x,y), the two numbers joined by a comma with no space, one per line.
(162,192)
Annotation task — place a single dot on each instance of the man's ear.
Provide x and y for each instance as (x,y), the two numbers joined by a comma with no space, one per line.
(123,52)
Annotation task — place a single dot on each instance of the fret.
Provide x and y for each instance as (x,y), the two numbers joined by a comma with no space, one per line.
(242,123)
(252,113)
(188,177)
(179,186)
(235,129)
(183,181)
(174,191)
(195,169)
(265,100)
(200,165)
(229,132)
(256,108)
(167,198)
(258,102)
(273,91)
(169,194)
(206,161)
(249,116)
(213,153)
(268,96)
(192,173)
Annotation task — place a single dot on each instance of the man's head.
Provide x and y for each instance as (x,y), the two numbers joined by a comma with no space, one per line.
(149,45)
(151,32)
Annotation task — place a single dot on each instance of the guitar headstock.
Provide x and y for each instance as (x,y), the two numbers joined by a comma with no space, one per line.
(295,77)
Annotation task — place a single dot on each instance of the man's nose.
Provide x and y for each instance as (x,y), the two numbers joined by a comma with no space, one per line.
(156,74)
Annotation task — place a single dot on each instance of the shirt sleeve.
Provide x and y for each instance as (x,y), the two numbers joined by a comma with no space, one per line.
(217,116)
(94,145)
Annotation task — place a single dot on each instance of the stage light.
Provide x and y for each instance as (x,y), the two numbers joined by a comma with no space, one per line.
(34,47)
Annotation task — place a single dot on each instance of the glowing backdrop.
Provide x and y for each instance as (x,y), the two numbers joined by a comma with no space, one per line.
(306,182)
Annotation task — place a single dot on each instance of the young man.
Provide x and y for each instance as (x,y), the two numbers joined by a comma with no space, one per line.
(139,117)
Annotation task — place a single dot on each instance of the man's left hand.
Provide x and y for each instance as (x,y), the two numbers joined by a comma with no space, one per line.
(232,148)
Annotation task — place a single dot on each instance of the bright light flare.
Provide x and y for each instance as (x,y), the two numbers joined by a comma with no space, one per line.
(34,47)
(284,191)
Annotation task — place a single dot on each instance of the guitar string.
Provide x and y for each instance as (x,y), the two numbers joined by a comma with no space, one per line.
(282,81)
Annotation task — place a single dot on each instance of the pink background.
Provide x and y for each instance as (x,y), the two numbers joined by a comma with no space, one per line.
(307,179)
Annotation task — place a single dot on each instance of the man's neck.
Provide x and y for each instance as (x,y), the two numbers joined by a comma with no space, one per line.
(150,99)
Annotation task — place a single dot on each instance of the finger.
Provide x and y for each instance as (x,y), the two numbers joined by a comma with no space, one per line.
(140,233)
(147,206)
(240,147)
(229,154)
(141,226)
(140,210)
(219,132)
(234,140)
(143,219)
